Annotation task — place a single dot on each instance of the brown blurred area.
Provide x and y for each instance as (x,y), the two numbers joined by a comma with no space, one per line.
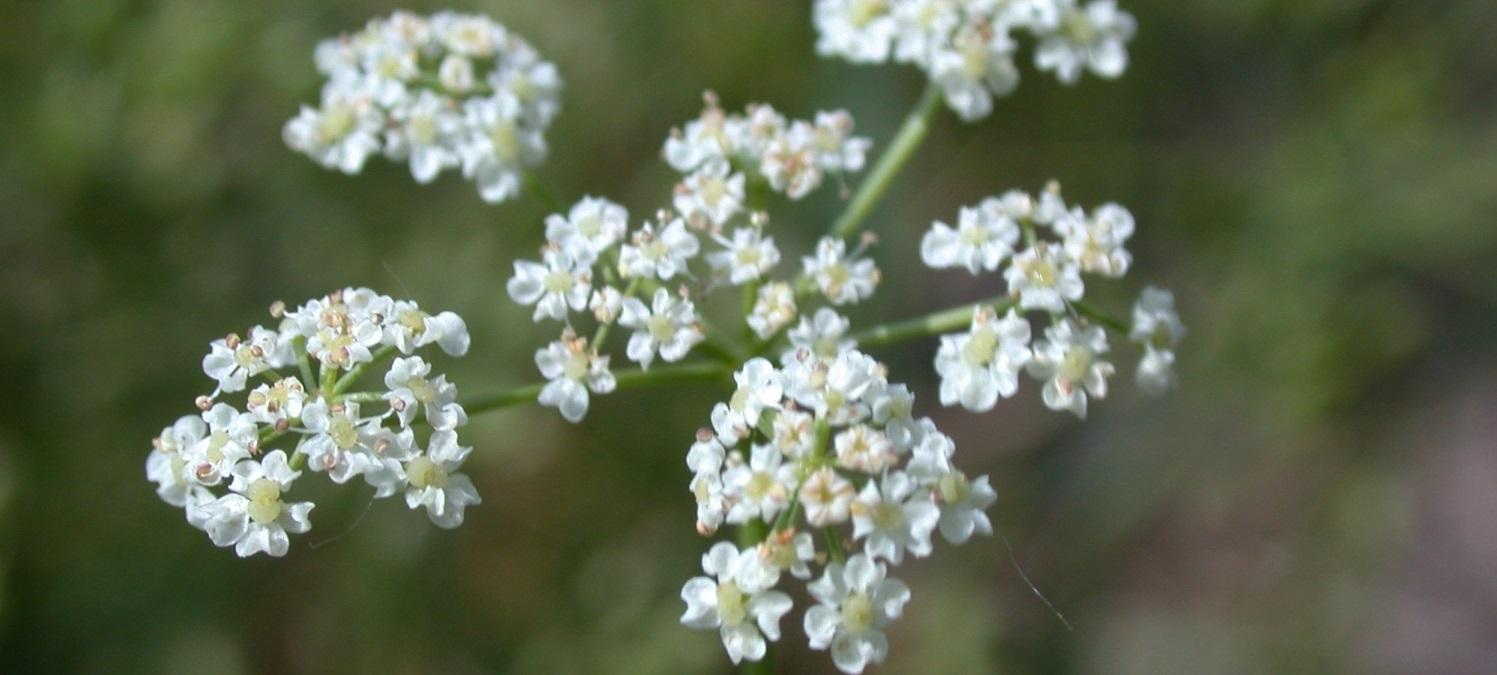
(1314,179)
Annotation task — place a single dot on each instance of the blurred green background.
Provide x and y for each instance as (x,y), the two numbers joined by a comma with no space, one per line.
(1315,179)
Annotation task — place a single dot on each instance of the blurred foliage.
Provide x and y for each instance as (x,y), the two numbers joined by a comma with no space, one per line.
(1314,178)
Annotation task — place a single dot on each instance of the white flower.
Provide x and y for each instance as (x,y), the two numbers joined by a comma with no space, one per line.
(760,488)
(660,254)
(342,132)
(705,459)
(930,458)
(1069,360)
(962,506)
(861,31)
(835,149)
(1094,38)
(1045,278)
(710,195)
(409,385)
(434,484)
(536,83)
(335,438)
(794,432)
(498,146)
(863,448)
(231,361)
(976,65)
(736,599)
(893,518)
(980,241)
(589,228)
(558,283)
(572,371)
(835,388)
(606,304)
(1157,327)
(230,436)
(426,133)
(822,334)
(669,326)
(924,26)
(758,388)
(455,73)
(704,139)
(789,162)
(407,328)
(842,279)
(1096,243)
(774,308)
(857,602)
(892,406)
(747,257)
(789,551)
(254,518)
(272,404)
(166,465)
(983,364)
(826,498)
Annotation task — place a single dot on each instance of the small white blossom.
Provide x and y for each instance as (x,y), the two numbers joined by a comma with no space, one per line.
(736,598)
(1044,278)
(668,326)
(975,66)
(166,465)
(410,385)
(253,518)
(826,498)
(275,403)
(758,389)
(823,334)
(232,361)
(789,162)
(1157,327)
(857,601)
(963,504)
(426,133)
(761,488)
(229,437)
(861,31)
(1069,361)
(336,438)
(433,481)
(774,308)
(661,254)
(711,195)
(560,282)
(790,551)
(1093,37)
(747,256)
(589,228)
(1096,242)
(341,133)
(834,147)
(863,448)
(842,279)
(606,304)
(980,241)
(979,366)
(893,518)
(572,371)
(794,432)
(498,146)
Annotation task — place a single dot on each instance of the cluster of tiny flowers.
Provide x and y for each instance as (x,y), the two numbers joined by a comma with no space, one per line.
(1044,275)
(722,155)
(450,90)
(220,468)
(967,46)
(594,266)
(822,442)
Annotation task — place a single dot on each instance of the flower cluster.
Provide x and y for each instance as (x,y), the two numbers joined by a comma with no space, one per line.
(967,47)
(595,266)
(450,90)
(1044,275)
(822,442)
(219,466)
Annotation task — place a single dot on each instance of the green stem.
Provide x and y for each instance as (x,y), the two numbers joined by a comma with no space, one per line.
(910,134)
(355,372)
(303,363)
(629,379)
(944,321)
(833,545)
(1107,320)
(363,397)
